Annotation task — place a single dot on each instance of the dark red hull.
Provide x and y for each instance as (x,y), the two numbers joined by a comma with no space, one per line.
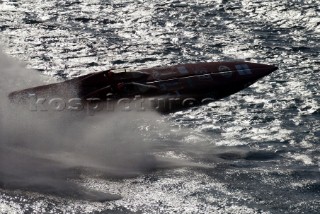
(212,80)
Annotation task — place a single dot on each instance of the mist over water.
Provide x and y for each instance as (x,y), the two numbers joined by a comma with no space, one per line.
(44,151)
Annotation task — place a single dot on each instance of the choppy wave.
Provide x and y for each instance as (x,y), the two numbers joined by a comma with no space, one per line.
(262,142)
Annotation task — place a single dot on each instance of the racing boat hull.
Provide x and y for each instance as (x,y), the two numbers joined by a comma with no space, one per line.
(199,82)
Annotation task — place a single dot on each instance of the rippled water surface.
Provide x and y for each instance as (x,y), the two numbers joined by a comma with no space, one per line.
(262,144)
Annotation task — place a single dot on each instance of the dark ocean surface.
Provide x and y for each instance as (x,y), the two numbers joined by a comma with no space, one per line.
(260,146)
